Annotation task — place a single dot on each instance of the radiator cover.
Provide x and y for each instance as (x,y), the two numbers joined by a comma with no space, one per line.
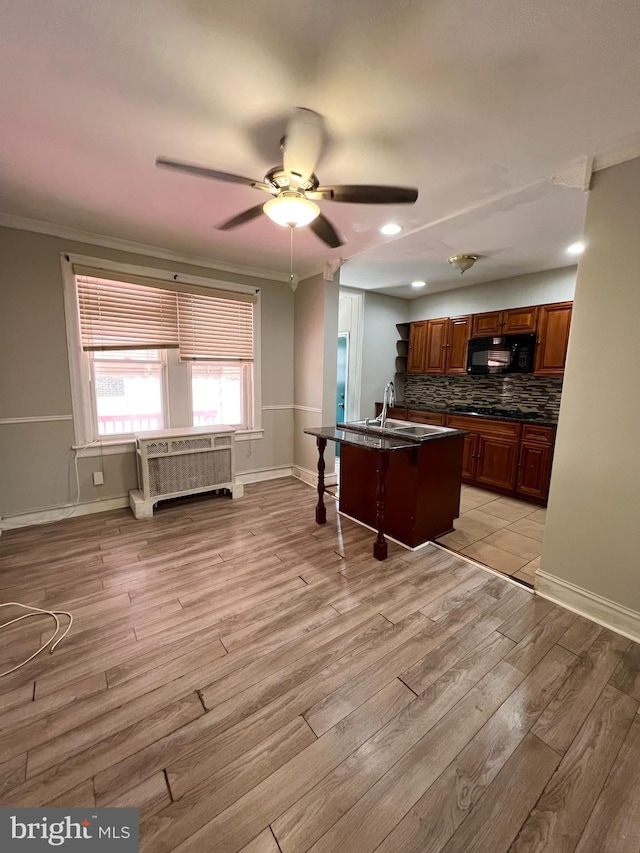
(185,461)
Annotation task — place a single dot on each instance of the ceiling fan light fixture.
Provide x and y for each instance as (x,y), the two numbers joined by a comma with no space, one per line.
(463,262)
(291,209)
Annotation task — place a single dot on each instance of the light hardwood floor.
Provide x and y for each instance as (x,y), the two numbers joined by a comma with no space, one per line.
(253,682)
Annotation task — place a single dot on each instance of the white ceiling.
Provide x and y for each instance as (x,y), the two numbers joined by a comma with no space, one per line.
(486,107)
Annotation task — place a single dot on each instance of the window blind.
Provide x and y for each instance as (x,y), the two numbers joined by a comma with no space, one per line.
(212,329)
(138,313)
(116,315)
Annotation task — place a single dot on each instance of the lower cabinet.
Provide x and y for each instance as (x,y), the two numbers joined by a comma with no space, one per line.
(393,412)
(534,463)
(490,452)
(508,456)
(496,461)
(433,418)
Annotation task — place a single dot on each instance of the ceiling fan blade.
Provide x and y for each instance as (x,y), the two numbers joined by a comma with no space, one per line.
(241,218)
(365,194)
(303,145)
(203,172)
(323,229)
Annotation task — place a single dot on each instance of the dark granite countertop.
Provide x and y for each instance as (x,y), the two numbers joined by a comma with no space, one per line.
(544,420)
(360,437)
(366,440)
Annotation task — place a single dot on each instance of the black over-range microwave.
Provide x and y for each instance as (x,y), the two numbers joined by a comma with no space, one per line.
(506,354)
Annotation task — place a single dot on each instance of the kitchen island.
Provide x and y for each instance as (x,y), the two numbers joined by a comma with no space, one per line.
(403,481)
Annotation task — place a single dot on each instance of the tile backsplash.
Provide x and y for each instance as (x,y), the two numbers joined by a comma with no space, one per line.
(521,391)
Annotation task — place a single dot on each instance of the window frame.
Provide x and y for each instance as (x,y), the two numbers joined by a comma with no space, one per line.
(85,428)
(164,391)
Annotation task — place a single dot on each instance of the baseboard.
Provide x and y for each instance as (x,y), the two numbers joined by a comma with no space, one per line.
(61,513)
(311,477)
(260,475)
(605,612)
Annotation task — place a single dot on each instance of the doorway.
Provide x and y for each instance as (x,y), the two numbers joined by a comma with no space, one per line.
(341,380)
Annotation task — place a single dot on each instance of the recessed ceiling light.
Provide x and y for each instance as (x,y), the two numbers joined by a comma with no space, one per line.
(390,228)
(418,283)
(575,249)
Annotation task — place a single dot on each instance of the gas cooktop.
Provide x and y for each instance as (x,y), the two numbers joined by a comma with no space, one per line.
(489,410)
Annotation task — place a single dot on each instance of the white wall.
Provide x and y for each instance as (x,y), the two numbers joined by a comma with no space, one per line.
(591,539)
(517,292)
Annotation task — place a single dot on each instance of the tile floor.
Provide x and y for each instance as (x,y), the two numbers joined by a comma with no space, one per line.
(500,532)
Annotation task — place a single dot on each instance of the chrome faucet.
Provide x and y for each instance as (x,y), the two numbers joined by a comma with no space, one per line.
(387,400)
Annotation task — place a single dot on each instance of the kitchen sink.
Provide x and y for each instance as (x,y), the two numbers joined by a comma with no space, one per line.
(419,430)
(374,426)
(402,429)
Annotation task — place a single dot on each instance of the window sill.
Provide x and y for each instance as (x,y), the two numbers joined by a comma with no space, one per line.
(112,446)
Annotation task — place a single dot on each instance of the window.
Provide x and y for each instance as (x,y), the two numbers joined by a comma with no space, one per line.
(152,353)
(127,390)
(219,392)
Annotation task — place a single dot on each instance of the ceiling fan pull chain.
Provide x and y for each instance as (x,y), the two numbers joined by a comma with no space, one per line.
(291,227)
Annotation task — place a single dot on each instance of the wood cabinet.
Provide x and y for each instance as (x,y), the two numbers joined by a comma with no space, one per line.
(534,463)
(459,332)
(496,461)
(417,344)
(491,450)
(422,488)
(509,457)
(469,454)
(436,348)
(439,346)
(553,338)
(398,412)
(514,321)
(433,418)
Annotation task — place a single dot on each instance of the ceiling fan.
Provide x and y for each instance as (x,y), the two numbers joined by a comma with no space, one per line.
(295,187)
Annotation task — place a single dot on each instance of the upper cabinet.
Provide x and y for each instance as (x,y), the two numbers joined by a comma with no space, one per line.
(417,344)
(439,346)
(514,321)
(553,337)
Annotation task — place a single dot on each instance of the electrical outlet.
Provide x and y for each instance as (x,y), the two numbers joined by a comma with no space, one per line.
(98,478)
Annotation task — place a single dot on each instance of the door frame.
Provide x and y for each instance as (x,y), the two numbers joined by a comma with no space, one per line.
(354,355)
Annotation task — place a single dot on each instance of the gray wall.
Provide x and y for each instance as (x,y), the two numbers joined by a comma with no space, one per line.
(315,359)
(517,292)
(381,313)
(592,519)
(36,461)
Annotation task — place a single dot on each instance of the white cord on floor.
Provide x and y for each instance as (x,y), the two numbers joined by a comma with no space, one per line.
(37,611)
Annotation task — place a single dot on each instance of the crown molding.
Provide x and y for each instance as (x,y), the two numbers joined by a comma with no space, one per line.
(8,220)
